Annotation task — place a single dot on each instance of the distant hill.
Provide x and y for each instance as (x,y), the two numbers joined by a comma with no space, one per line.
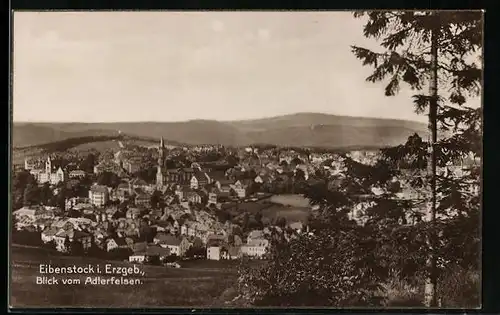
(31,134)
(302,129)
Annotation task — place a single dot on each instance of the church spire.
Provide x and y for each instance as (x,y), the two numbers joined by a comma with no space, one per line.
(161,153)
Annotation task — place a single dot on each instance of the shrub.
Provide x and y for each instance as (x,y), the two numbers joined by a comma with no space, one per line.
(400,292)
(460,288)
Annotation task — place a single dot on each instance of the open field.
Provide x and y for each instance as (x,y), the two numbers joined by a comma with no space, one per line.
(198,284)
(98,145)
(293,200)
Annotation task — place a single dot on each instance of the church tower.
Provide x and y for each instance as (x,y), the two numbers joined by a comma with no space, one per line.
(48,166)
(161,153)
(161,164)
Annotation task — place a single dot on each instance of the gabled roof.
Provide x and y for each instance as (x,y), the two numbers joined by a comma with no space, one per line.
(99,189)
(139,182)
(123,186)
(24,211)
(169,239)
(153,250)
(164,224)
(192,193)
(139,247)
(142,195)
(120,241)
(256,234)
(217,175)
(200,176)
(225,182)
(64,233)
(77,172)
(50,231)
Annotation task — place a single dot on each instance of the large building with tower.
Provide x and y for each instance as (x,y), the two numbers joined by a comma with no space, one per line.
(166,177)
(49,174)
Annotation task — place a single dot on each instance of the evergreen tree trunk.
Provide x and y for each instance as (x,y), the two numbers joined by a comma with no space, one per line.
(431,281)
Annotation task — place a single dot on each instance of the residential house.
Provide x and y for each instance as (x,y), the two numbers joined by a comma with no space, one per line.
(215,176)
(84,208)
(255,234)
(194,197)
(100,236)
(131,165)
(60,239)
(100,215)
(216,239)
(255,248)
(27,217)
(98,195)
(176,245)
(231,252)
(199,179)
(30,164)
(110,212)
(164,226)
(48,234)
(184,192)
(264,179)
(224,184)
(124,187)
(133,213)
(240,189)
(42,223)
(77,174)
(138,183)
(117,242)
(143,252)
(188,228)
(160,237)
(185,175)
(212,197)
(213,252)
(122,195)
(138,253)
(26,212)
(73,235)
(142,199)
(108,166)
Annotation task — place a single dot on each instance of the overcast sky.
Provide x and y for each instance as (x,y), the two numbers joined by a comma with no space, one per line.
(171,66)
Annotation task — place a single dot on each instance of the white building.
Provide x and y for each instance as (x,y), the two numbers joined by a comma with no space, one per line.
(98,195)
(213,253)
(255,247)
(47,175)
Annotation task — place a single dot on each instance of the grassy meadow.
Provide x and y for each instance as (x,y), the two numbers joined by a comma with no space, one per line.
(197,284)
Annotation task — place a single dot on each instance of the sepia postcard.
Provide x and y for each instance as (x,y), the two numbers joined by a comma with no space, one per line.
(320,159)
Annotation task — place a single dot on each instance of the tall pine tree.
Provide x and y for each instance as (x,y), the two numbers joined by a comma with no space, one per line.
(426,49)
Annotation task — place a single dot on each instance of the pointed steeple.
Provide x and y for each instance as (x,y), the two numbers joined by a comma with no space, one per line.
(48,165)
(161,153)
